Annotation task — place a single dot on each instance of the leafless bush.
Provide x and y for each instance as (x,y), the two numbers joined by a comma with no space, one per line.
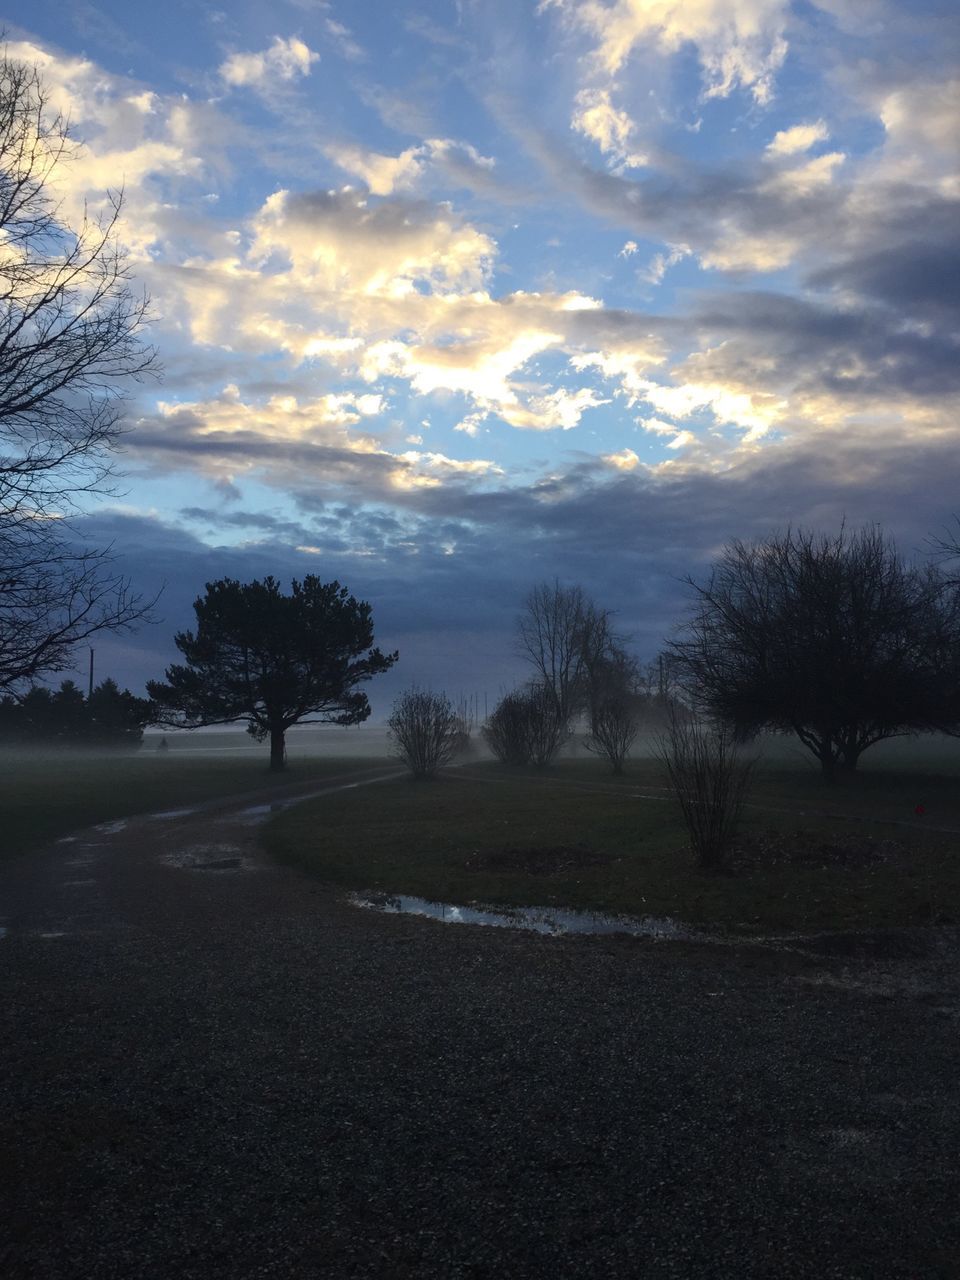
(426,731)
(615,725)
(506,731)
(709,776)
(526,727)
(547,724)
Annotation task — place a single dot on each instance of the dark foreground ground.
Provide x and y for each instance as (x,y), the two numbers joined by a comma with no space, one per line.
(231,1072)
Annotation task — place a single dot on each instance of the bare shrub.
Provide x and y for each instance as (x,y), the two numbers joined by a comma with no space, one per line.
(506,731)
(526,727)
(547,726)
(709,776)
(426,731)
(614,728)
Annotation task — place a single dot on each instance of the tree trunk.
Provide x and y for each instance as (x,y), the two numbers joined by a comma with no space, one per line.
(278,751)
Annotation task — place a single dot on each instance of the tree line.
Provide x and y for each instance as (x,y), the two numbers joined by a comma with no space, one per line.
(108,717)
(834,639)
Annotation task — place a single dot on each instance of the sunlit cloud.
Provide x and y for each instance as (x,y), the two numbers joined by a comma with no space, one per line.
(666,279)
(739,45)
(284,61)
(799,137)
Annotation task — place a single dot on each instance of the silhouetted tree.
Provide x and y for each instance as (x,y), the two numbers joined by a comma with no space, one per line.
(571,644)
(273,660)
(70,335)
(426,730)
(526,726)
(506,731)
(116,716)
(833,639)
(111,717)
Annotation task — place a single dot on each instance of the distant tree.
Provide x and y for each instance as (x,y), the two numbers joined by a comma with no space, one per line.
(526,726)
(70,336)
(617,704)
(426,730)
(833,639)
(273,660)
(507,730)
(111,717)
(117,717)
(70,713)
(572,647)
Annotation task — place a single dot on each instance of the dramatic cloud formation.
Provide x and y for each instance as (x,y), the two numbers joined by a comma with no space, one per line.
(580,289)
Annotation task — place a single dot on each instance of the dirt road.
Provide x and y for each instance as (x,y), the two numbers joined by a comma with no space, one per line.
(215,1067)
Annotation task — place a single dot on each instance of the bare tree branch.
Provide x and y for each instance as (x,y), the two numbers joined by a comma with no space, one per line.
(70,337)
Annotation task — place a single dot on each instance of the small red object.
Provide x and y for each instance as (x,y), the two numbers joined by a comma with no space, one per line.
(919,811)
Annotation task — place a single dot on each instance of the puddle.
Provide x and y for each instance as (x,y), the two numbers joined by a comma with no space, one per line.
(55,933)
(555,921)
(168,814)
(3,931)
(206,857)
(77,884)
(111,828)
(68,839)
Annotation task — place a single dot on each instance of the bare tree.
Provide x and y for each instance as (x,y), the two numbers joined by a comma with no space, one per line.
(70,336)
(551,633)
(833,639)
(426,729)
(570,642)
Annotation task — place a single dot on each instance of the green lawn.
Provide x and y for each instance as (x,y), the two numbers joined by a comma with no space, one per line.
(48,796)
(575,836)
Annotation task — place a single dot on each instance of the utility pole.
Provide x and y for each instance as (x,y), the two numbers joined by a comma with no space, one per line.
(90,682)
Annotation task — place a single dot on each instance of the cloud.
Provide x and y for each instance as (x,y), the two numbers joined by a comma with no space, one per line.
(739,43)
(628,534)
(625,460)
(384,174)
(609,127)
(339,241)
(799,137)
(285,61)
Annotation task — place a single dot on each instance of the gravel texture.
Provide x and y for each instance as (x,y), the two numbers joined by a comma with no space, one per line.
(216,1067)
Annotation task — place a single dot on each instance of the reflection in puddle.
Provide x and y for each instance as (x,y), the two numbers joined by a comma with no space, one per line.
(549,920)
(170,813)
(3,931)
(77,884)
(67,839)
(111,828)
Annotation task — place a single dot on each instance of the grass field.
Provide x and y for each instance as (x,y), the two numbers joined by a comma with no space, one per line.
(810,855)
(45,796)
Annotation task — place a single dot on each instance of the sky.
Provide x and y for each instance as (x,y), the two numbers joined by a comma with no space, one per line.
(455,297)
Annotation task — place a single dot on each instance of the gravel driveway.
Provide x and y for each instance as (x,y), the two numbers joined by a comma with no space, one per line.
(216,1067)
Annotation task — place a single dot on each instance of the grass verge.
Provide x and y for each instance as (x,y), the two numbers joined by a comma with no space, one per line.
(49,796)
(576,837)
